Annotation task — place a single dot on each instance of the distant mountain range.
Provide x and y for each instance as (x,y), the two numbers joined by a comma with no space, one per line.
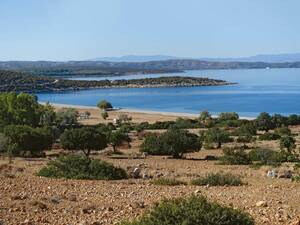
(268,58)
(136,58)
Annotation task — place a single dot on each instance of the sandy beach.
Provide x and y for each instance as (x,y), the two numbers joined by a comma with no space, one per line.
(136,114)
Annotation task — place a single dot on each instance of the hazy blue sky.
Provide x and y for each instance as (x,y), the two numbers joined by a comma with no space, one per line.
(84,29)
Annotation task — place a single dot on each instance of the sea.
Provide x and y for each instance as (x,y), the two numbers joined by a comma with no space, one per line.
(255,91)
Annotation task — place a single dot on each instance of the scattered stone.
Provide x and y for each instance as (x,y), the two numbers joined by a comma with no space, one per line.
(272,173)
(88,209)
(55,199)
(72,198)
(261,204)
(296,222)
(136,172)
(96,223)
(83,223)
(27,222)
(285,174)
(39,205)
(19,197)
(138,204)
(198,191)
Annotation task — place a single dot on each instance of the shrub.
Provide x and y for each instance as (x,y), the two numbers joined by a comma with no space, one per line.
(80,167)
(230,123)
(245,138)
(167,182)
(296,178)
(293,119)
(192,211)
(269,136)
(266,157)
(288,143)
(173,142)
(218,179)
(232,156)
(249,128)
(282,131)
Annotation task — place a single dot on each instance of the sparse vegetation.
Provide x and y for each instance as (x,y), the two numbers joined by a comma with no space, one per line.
(235,156)
(218,179)
(269,137)
(80,167)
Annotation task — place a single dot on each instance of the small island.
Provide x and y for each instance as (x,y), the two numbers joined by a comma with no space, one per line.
(21,82)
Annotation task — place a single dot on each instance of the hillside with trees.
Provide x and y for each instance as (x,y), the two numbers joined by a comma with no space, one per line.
(101,68)
(22,82)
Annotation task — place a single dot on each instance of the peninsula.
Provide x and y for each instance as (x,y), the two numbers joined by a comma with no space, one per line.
(21,82)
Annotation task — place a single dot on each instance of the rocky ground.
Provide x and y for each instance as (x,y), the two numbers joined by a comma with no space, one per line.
(28,199)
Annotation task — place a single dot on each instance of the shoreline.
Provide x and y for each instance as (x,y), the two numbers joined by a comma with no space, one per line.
(148,112)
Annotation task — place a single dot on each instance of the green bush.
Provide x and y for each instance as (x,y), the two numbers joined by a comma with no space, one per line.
(296,178)
(80,167)
(218,179)
(269,137)
(283,131)
(271,157)
(232,156)
(192,211)
(167,182)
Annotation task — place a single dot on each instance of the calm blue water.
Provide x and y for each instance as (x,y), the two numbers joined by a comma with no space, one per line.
(273,91)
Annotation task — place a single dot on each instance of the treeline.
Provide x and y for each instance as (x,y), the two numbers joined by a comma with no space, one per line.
(118,68)
(28,128)
(264,121)
(16,81)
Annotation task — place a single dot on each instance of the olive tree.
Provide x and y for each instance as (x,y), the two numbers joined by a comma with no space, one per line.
(228,116)
(85,139)
(217,135)
(27,139)
(175,142)
(117,138)
(204,115)
(4,142)
(264,122)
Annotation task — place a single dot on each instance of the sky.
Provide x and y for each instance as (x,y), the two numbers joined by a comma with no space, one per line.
(87,29)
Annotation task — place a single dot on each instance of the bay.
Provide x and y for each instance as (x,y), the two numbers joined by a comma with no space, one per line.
(258,90)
